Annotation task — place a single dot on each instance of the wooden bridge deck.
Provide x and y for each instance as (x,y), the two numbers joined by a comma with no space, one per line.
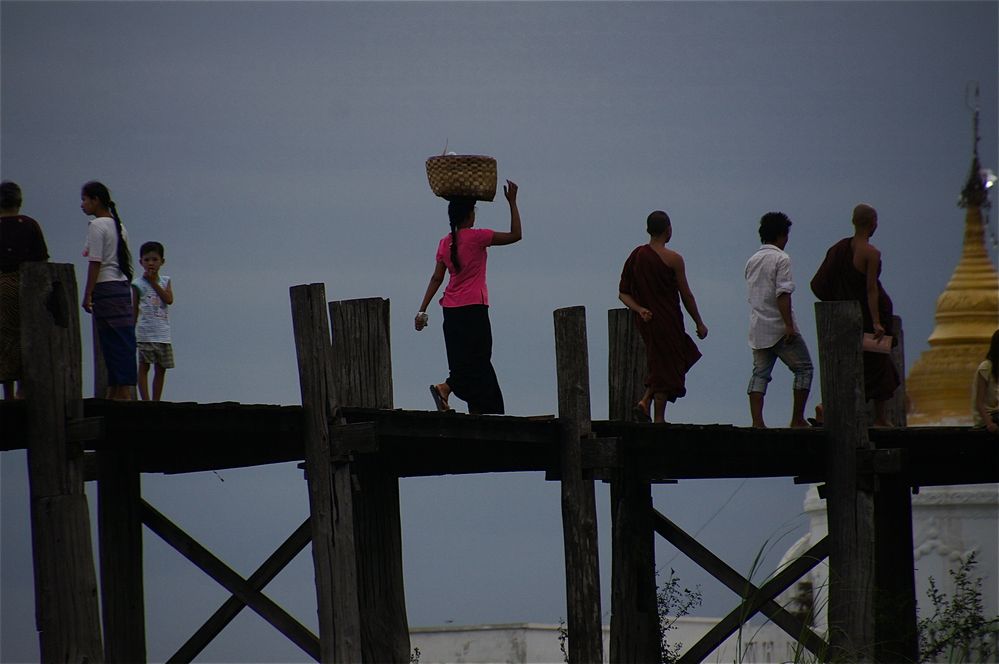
(170,437)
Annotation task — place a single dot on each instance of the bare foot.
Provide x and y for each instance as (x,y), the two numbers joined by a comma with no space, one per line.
(800,424)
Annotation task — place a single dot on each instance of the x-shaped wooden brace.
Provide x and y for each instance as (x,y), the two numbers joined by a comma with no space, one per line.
(245,592)
(754,599)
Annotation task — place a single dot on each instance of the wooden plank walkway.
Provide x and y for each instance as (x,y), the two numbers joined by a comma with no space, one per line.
(178,437)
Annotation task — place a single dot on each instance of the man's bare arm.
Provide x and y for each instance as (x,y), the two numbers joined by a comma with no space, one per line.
(687,297)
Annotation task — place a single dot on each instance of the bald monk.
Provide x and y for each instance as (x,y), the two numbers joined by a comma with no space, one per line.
(851,271)
(653,283)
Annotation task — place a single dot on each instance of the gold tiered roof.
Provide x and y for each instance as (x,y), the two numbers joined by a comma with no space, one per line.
(939,385)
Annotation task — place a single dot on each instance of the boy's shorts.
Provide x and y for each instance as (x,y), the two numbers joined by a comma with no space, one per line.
(160,354)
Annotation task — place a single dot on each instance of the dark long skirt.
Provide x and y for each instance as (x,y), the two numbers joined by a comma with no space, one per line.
(469,341)
(113,315)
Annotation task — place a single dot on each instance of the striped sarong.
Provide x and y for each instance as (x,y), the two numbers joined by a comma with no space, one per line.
(115,319)
(10,327)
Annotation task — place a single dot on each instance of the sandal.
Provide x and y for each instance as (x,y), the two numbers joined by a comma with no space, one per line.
(439,400)
(641,412)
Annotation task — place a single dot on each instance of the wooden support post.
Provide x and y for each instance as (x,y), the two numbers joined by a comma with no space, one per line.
(362,367)
(849,506)
(66,607)
(579,514)
(330,494)
(895,577)
(627,365)
(635,627)
(119,523)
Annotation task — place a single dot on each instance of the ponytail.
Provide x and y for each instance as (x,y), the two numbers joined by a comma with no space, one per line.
(124,255)
(454,248)
(98,190)
(457,212)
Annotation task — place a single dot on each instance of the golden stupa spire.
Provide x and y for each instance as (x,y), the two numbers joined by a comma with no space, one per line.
(939,385)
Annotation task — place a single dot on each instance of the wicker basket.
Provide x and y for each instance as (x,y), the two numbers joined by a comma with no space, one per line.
(462,175)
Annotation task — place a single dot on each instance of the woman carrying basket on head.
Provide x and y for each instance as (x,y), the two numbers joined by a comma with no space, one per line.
(467,333)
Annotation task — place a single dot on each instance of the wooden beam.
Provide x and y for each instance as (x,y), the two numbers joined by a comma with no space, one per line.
(330,492)
(579,514)
(362,365)
(849,508)
(119,525)
(756,599)
(263,575)
(66,607)
(208,563)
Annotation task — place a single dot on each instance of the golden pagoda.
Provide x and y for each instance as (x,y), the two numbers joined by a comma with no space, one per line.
(939,384)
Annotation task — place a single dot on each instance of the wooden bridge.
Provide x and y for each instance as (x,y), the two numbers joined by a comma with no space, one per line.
(354,447)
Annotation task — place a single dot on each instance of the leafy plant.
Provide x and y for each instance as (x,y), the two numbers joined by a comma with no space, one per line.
(958,629)
(672,603)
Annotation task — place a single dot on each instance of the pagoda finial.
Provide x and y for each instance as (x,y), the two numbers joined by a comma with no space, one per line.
(975,192)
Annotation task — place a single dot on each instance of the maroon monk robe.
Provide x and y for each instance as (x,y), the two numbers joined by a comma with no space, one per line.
(670,351)
(838,279)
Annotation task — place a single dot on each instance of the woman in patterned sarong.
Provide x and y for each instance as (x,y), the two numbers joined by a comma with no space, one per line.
(21,240)
(108,293)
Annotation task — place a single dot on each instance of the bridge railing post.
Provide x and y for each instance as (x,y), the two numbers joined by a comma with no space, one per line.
(849,507)
(634,628)
(362,364)
(330,492)
(66,607)
(579,515)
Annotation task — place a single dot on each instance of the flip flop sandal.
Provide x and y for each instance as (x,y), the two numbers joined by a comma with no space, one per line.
(439,400)
(641,415)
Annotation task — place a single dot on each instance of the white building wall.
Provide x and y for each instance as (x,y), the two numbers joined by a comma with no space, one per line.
(532,643)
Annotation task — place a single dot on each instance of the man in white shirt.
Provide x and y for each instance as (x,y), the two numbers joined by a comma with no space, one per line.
(772,332)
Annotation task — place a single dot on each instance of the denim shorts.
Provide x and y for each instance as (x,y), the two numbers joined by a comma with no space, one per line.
(793,354)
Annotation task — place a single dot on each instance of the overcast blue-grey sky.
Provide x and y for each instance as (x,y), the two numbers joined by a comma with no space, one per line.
(269,144)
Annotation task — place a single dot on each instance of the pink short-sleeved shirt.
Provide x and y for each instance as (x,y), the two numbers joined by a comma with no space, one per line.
(469,285)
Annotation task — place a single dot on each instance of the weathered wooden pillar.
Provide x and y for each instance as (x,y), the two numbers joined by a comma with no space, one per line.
(579,515)
(119,523)
(897,638)
(849,506)
(362,367)
(330,494)
(635,627)
(627,364)
(66,607)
